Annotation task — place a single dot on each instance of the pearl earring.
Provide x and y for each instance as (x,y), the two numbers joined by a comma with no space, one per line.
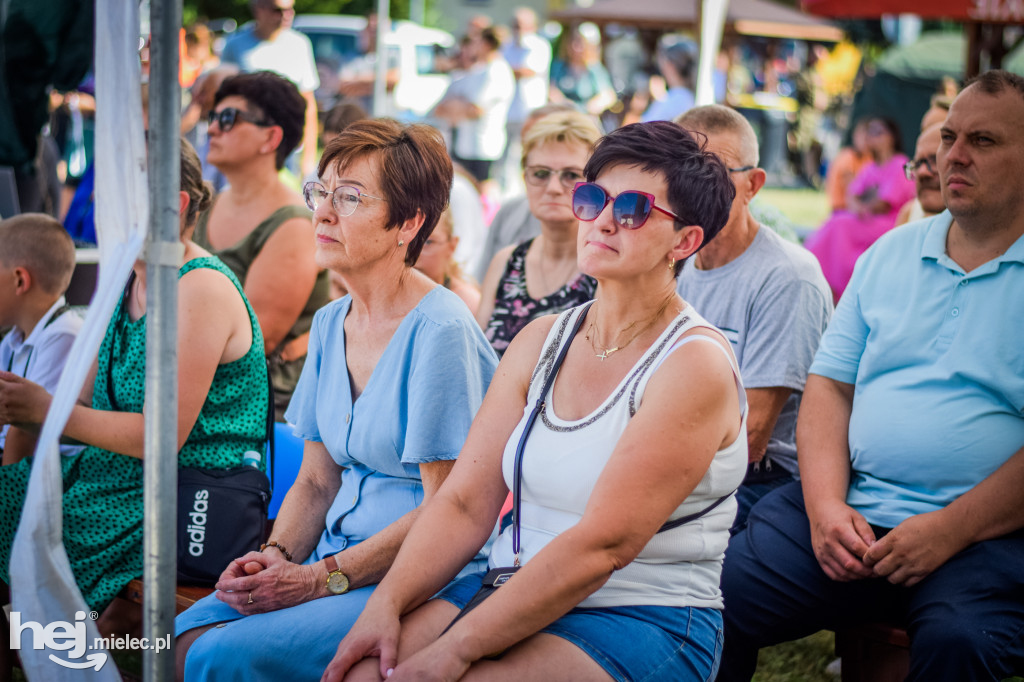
(401,243)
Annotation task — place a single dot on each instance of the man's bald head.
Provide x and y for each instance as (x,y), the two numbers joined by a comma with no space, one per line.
(714,119)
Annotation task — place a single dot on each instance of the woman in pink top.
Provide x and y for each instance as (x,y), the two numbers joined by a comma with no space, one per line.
(873,200)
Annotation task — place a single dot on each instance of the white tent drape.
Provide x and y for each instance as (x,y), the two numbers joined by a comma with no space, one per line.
(43,588)
(712,22)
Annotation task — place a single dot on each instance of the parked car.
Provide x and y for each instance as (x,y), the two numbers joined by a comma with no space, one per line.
(411,49)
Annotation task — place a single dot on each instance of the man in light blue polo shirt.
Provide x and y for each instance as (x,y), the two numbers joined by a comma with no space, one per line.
(911,433)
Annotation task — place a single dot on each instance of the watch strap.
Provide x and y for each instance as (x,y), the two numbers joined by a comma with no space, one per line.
(331,562)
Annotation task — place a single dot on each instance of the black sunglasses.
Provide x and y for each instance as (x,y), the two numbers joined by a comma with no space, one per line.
(228,116)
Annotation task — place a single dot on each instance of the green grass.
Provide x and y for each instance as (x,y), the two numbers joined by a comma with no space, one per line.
(803,660)
(805,208)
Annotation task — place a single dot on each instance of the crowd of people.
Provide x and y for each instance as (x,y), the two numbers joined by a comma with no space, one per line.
(657,436)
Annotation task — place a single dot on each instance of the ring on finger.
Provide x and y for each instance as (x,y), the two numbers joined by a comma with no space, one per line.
(250,598)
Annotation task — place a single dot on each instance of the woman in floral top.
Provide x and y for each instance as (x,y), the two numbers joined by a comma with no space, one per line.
(540,276)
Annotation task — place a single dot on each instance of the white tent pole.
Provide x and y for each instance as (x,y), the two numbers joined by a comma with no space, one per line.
(163,258)
(712,22)
(380,79)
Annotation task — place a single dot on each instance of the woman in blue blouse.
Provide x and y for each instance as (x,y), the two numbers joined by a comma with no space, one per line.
(396,370)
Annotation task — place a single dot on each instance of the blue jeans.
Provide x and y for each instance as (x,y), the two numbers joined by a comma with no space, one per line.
(748,494)
(965,620)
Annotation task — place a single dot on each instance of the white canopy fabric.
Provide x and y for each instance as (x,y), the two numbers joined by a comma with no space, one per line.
(712,22)
(43,588)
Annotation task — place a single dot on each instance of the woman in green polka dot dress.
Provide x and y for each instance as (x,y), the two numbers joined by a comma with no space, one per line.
(222,410)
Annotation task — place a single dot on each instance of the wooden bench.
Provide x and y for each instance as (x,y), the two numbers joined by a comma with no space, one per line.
(873,652)
(877,652)
(184,596)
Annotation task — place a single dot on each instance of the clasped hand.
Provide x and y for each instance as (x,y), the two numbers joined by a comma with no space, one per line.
(375,634)
(22,402)
(260,582)
(846,548)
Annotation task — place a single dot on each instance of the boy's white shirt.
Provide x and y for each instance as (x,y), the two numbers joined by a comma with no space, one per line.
(40,357)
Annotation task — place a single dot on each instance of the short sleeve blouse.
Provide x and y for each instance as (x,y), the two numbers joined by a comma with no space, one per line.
(416,407)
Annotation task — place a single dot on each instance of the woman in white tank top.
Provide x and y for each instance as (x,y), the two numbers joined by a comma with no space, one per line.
(645,423)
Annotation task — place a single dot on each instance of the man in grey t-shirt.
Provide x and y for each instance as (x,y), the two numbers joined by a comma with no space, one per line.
(770,299)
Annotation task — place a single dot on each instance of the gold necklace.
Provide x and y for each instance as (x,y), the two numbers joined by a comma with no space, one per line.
(593,330)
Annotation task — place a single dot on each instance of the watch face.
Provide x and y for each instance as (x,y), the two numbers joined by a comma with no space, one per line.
(337,582)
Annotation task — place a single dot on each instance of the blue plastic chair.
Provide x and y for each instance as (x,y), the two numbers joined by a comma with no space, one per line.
(284,466)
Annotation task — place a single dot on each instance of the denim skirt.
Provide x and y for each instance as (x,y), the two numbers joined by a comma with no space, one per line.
(631,643)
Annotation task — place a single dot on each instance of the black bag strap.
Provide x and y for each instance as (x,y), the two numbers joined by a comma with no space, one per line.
(675,523)
(517,471)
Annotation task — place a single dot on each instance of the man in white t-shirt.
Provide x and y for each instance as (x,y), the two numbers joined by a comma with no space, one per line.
(529,55)
(477,106)
(268,43)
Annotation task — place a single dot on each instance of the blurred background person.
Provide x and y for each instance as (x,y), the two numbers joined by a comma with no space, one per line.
(873,200)
(260,227)
(477,104)
(269,43)
(846,165)
(578,76)
(529,55)
(924,171)
(513,223)
(437,261)
(540,276)
(677,62)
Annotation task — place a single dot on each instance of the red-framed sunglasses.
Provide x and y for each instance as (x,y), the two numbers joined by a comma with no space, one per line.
(630,210)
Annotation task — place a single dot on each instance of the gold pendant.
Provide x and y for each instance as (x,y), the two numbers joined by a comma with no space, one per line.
(603,355)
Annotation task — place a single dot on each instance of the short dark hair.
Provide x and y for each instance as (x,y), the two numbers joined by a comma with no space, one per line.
(699,189)
(276,99)
(342,115)
(996,81)
(414,167)
(41,245)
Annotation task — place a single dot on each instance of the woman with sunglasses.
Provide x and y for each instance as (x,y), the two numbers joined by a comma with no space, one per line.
(260,227)
(623,485)
(222,359)
(540,276)
(396,371)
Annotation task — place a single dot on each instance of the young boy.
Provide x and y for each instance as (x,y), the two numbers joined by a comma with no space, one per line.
(37,258)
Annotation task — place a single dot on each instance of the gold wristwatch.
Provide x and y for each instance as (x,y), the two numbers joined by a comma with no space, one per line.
(337,582)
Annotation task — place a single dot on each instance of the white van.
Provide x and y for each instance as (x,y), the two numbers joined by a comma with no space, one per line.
(411,47)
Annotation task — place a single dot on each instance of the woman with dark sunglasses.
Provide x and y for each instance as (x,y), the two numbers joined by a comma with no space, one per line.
(396,370)
(610,568)
(540,276)
(260,227)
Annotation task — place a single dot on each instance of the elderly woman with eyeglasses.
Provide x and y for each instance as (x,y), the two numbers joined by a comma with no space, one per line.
(259,226)
(540,276)
(620,428)
(396,371)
